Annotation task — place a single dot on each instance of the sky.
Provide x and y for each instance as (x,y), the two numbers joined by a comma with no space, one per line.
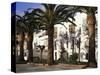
(23,6)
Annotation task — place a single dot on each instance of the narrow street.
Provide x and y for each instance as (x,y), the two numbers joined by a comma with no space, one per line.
(40,67)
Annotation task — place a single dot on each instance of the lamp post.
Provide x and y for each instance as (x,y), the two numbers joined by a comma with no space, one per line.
(79,42)
(41,48)
(72,35)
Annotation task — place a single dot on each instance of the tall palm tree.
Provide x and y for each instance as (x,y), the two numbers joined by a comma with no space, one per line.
(23,25)
(20,28)
(49,16)
(28,23)
(78,41)
(91,21)
(32,26)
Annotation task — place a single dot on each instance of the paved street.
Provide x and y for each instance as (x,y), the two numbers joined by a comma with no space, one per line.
(40,67)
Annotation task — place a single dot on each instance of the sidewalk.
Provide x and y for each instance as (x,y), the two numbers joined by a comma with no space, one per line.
(40,67)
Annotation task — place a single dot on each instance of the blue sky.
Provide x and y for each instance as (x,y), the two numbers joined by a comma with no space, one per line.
(23,6)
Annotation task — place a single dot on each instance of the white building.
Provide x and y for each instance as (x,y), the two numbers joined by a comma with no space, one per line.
(62,37)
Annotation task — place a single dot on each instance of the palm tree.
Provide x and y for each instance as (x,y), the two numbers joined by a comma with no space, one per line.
(32,26)
(20,29)
(51,15)
(91,21)
(23,25)
(78,41)
(27,23)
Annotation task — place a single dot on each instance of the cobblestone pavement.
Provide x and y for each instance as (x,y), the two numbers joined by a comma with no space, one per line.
(40,67)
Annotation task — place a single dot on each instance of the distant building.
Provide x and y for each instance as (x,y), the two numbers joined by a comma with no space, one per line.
(62,38)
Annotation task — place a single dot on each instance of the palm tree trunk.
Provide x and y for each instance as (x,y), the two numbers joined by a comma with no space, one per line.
(41,56)
(72,45)
(91,27)
(79,48)
(30,47)
(50,45)
(21,47)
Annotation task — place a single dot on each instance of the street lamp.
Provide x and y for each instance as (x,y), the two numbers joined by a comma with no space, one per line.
(42,47)
(72,35)
(79,42)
